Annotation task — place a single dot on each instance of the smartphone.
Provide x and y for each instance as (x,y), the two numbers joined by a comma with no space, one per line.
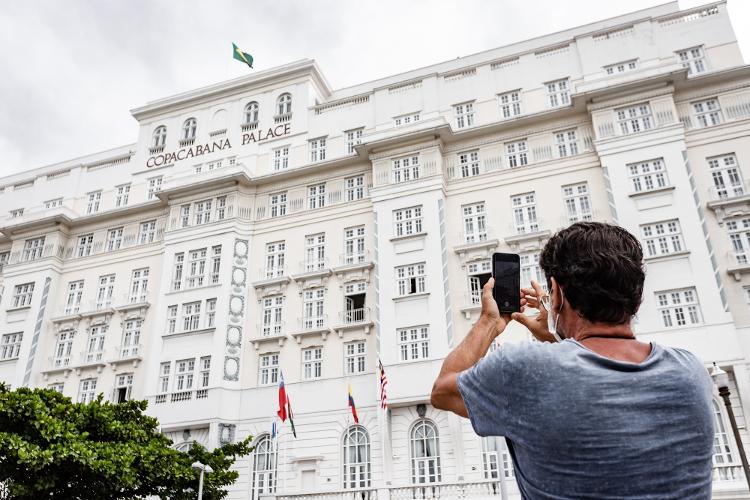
(506,269)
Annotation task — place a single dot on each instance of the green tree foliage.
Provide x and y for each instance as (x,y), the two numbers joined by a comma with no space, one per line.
(53,448)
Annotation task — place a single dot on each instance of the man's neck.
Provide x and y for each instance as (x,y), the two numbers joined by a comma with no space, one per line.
(611,341)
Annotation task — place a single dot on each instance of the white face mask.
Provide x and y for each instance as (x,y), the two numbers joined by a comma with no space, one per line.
(552,322)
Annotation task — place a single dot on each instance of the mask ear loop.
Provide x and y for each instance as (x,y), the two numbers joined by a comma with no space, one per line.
(557,319)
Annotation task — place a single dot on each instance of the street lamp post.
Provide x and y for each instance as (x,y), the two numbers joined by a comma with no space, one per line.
(721,379)
(203,468)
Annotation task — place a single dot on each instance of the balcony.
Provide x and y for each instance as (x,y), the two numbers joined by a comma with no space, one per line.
(738,263)
(181,396)
(351,319)
(249,126)
(272,280)
(49,250)
(91,359)
(354,265)
(130,353)
(529,236)
(282,118)
(309,326)
(189,141)
(315,270)
(476,244)
(386,174)
(729,201)
(269,333)
(352,494)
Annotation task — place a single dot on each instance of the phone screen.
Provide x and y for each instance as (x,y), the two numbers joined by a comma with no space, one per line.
(507,273)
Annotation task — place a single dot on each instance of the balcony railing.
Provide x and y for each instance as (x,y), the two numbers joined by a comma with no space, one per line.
(355,494)
(187,142)
(729,192)
(479,235)
(447,491)
(358,257)
(728,473)
(59,361)
(313,265)
(312,323)
(271,329)
(181,396)
(282,118)
(269,273)
(355,316)
(90,357)
(49,250)
(129,351)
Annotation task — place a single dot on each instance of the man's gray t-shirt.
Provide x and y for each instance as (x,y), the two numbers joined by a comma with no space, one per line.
(580,425)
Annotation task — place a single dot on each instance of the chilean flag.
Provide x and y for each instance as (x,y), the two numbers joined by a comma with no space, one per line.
(282,399)
(352,406)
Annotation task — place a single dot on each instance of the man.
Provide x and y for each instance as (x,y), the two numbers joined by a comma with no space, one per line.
(599,414)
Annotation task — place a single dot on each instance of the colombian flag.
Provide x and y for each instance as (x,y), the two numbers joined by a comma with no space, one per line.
(352,406)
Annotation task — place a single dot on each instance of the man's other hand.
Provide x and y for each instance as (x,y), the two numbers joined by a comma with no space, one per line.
(537,325)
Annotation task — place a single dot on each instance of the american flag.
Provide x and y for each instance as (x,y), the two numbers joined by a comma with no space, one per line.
(383,384)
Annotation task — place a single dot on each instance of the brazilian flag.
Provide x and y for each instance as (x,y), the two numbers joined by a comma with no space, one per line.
(242,56)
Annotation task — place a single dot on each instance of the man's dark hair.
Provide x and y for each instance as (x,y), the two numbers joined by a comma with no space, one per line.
(600,269)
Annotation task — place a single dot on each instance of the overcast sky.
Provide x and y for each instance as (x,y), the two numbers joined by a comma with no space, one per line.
(73,69)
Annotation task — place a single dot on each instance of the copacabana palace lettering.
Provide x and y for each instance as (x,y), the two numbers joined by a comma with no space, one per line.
(202,149)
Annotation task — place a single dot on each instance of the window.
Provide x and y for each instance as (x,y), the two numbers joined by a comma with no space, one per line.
(414,343)
(634,119)
(739,236)
(353,137)
(202,212)
(577,202)
(315,252)
(354,303)
(185,215)
(196,268)
(722,450)
(57,202)
(122,193)
(622,67)
(524,212)
(425,453)
(707,112)
(284,104)
(210,313)
(355,188)
(154,186)
(184,372)
(131,338)
(58,387)
(355,357)
(221,207)
(87,390)
(205,371)
(678,307)
(469,163)
(356,458)
(171,319)
(317,149)
(406,169)
(312,363)
(251,112)
(159,137)
(189,128)
(411,279)
(316,196)
(10,345)
(114,239)
(406,119)
(558,93)
(264,468)
(63,348)
(4,258)
(33,248)
(474,222)
(147,232)
(105,291)
(22,295)
(567,143)
(464,114)
(273,308)
(726,176)
(191,316)
(693,59)
(123,387)
(275,253)
(95,347)
(312,312)
(93,202)
(662,238)
(18,212)
(354,245)
(494,454)
(479,274)
(215,263)
(164,369)
(648,175)
(75,294)
(516,154)
(139,286)
(85,245)
(269,369)
(530,269)
(278,204)
(281,158)
(510,104)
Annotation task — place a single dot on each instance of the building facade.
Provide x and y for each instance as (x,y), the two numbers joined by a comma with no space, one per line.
(271,224)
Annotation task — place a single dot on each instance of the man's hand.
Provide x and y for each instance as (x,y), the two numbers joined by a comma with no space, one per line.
(537,325)
(490,314)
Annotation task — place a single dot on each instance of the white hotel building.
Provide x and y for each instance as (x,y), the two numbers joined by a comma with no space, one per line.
(272,223)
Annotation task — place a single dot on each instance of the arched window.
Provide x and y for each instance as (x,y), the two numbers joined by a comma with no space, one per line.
(722,449)
(184,446)
(284,104)
(356,457)
(189,128)
(264,468)
(251,112)
(425,453)
(159,137)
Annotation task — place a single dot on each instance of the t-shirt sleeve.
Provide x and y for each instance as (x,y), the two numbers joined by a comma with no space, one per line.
(486,395)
